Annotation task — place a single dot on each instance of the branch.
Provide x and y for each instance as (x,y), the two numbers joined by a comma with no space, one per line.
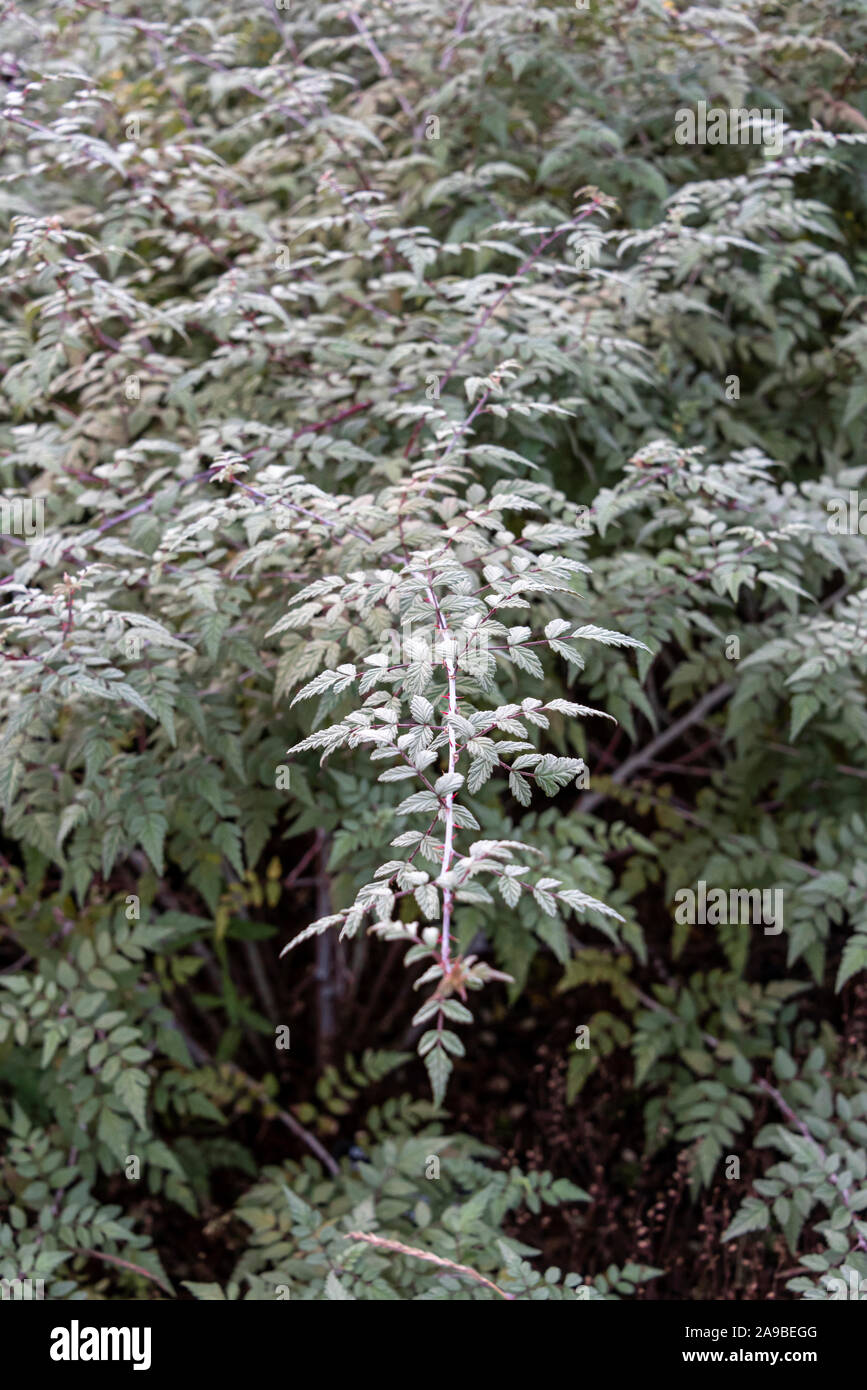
(696,714)
(288,1119)
(432,1259)
(125,1264)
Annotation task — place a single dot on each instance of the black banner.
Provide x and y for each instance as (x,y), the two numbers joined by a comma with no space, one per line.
(85,1340)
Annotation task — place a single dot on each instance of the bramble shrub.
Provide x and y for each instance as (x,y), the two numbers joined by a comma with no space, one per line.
(432,541)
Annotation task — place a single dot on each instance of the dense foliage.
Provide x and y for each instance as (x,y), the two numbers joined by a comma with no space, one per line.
(431,538)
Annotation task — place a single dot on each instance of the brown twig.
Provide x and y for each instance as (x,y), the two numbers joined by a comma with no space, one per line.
(326,960)
(662,740)
(125,1264)
(400,1249)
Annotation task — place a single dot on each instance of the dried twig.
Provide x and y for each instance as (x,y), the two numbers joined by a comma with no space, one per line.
(125,1264)
(395,1245)
(662,740)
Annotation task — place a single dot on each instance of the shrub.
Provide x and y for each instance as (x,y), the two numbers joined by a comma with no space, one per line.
(333,338)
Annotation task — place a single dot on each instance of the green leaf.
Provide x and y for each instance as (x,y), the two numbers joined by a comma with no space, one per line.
(114,1132)
(753,1215)
(131,1088)
(439,1067)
